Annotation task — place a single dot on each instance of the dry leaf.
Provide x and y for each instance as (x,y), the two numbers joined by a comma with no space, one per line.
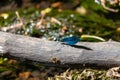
(24,75)
(113,72)
(55,21)
(81,10)
(12,61)
(56,5)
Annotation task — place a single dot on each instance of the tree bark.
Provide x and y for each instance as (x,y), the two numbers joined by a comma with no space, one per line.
(41,50)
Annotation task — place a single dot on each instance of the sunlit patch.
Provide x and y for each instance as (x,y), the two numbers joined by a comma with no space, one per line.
(118,30)
(2,60)
(45,11)
(4,15)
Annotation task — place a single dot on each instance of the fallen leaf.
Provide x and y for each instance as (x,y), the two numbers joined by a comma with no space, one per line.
(81,10)
(64,29)
(24,75)
(55,20)
(113,72)
(56,4)
(12,61)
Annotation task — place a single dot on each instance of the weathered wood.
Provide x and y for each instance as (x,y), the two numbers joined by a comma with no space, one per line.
(35,49)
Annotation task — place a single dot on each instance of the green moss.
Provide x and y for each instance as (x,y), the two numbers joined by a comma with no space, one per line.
(96,22)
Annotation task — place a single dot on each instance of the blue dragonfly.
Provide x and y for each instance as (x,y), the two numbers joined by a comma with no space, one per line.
(71,40)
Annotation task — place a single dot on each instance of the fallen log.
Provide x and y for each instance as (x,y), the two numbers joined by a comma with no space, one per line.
(41,50)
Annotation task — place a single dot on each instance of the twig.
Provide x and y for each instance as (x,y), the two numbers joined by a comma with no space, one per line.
(18,16)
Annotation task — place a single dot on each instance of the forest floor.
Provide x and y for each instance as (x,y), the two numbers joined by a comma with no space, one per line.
(55,20)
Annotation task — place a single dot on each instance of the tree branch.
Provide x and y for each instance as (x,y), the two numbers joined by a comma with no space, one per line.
(35,49)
